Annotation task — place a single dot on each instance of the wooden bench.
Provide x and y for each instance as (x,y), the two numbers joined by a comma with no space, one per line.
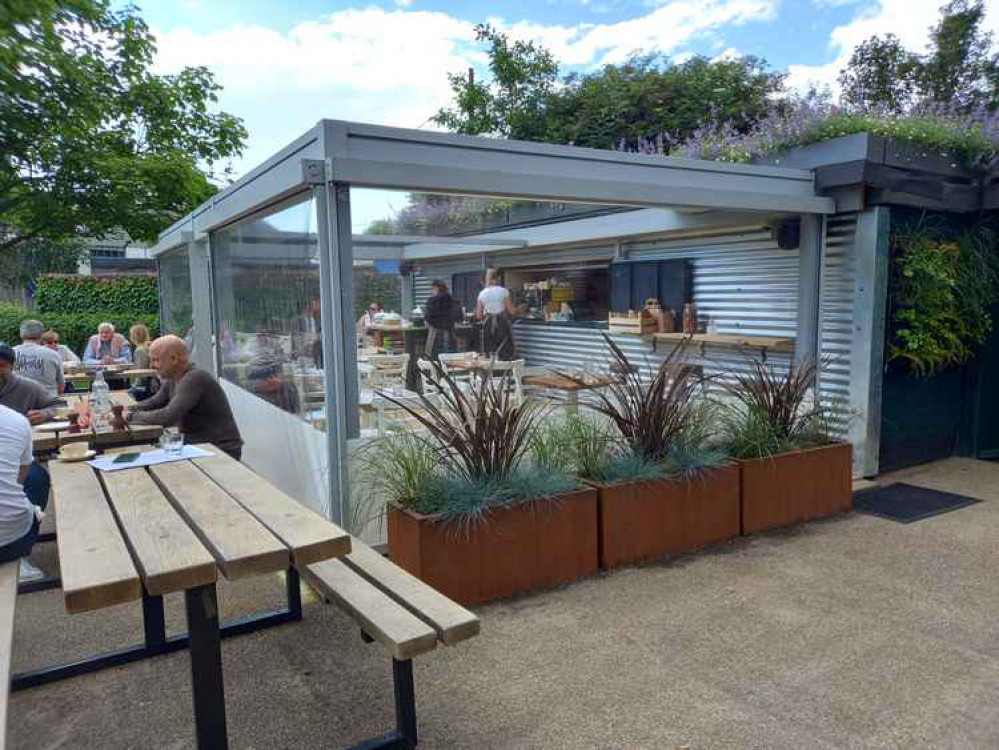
(8,597)
(397,610)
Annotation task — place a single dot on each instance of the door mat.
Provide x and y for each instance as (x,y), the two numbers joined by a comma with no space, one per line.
(906,503)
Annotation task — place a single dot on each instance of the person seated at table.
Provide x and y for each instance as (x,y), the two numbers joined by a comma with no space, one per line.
(38,362)
(106,347)
(139,336)
(267,381)
(24,492)
(188,398)
(51,339)
(366,321)
(21,394)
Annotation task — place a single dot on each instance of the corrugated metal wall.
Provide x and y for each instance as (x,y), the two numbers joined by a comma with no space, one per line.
(836,316)
(742,281)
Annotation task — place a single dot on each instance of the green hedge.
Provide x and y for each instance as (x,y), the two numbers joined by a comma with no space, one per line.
(74,330)
(82,295)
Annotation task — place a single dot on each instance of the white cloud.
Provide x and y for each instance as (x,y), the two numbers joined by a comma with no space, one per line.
(909,20)
(390,66)
(403,3)
(730,53)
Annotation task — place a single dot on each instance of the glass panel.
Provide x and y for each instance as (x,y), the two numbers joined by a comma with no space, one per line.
(267,292)
(266,277)
(175,294)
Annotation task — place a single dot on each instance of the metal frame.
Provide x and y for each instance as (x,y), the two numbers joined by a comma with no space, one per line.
(867,352)
(405,736)
(155,642)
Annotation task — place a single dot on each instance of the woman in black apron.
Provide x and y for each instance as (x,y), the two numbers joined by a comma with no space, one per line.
(495,309)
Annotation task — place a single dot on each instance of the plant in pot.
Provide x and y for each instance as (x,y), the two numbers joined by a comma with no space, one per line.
(467,512)
(664,487)
(792,469)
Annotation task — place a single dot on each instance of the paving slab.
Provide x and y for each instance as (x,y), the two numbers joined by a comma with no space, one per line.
(854,632)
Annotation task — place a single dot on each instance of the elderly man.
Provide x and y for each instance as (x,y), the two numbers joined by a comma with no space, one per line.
(36,361)
(107,347)
(189,398)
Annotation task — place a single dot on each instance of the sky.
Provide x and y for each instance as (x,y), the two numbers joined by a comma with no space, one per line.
(286,65)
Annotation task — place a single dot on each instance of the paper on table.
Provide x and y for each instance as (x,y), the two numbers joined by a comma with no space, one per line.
(152,458)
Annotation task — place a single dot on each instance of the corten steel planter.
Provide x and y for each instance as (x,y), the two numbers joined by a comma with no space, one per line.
(796,487)
(651,519)
(521,548)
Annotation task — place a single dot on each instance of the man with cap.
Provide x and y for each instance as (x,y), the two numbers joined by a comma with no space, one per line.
(37,361)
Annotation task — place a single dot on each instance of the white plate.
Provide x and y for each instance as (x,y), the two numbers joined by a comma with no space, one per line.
(53,426)
(73,459)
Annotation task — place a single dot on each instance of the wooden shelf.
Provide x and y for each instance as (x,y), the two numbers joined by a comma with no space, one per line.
(751,342)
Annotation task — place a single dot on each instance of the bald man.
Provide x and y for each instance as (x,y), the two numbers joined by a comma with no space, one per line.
(189,398)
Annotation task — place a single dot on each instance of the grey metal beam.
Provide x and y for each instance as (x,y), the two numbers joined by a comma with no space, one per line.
(399,159)
(417,239)
(867,346)
(810,254)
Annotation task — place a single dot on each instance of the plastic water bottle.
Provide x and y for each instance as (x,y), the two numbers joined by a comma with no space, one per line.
(100,403)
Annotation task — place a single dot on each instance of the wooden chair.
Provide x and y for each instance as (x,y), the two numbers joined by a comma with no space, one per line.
(399,611)
(389,370)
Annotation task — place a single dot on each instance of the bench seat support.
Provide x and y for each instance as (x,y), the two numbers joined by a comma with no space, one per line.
(404,737)
(155,641)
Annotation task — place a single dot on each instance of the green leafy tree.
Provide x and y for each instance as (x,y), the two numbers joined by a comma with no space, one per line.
(880,76)
(960,71)
(645,97)
(512,104)
(36,256)
(649,97)
(961,68)
(90,139)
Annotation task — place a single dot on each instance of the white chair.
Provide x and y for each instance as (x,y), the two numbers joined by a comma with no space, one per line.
(388,370)
(515,368)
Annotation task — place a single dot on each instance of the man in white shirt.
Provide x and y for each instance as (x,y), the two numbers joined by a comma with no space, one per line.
(24,491)
(37,361)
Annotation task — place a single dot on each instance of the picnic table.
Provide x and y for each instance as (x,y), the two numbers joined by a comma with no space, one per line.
(141,533)
(570,386)
(45,441)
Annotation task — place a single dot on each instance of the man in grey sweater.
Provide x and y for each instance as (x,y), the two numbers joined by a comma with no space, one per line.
(21,394)
(189,398)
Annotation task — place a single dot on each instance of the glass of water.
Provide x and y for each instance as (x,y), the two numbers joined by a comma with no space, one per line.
(172,441)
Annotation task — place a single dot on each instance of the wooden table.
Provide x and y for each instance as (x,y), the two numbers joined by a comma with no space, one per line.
(569,386)
(143,533)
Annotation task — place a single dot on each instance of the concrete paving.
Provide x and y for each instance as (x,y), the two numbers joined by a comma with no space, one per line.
(855,632)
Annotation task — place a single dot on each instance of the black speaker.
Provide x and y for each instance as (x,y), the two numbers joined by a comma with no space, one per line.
(787,234)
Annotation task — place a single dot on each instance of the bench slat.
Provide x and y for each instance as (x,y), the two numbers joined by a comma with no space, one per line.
(380,616)
(452,622)
(309,536)
(95,565)
(241,545)
(167,553)
(8,596)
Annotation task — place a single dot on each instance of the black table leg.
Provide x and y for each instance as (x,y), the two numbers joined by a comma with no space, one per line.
(206,667)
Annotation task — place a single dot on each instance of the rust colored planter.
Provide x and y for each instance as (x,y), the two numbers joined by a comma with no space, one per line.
(796,487)
(520,549)
(646,520)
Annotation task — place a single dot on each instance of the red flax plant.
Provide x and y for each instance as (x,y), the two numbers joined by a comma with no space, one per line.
(651,414)
(777,408)
(482,434)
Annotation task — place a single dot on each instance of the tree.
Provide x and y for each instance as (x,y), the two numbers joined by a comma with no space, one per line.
(21,265)
(650,97)
(880,76)
(960,73)
(961,69)
(512,104)
(645,97)
(91,141)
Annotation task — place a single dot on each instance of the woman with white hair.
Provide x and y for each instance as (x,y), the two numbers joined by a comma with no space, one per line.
(107,347)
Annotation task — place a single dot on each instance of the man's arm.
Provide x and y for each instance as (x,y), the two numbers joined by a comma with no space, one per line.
(90,354)
(185,396)
(157,401)
(44,408)
(125,354)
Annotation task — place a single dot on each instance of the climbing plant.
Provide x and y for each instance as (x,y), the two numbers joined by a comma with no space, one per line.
(944,283)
